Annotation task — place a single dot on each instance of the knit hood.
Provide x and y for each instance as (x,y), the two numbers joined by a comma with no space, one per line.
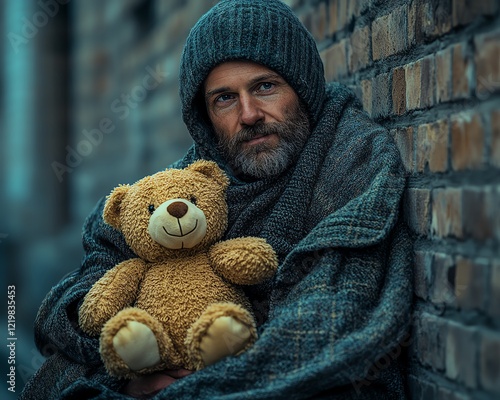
(263,31)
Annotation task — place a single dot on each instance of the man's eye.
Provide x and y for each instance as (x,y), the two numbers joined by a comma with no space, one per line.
(223,98)
(266,86)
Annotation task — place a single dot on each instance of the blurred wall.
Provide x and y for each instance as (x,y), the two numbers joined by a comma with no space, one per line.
(89,100)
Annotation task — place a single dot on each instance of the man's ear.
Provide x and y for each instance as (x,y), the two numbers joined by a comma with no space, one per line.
(112,208)
(211,170)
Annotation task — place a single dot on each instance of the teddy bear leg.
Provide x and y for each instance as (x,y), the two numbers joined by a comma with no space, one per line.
(133,342)
(224,329)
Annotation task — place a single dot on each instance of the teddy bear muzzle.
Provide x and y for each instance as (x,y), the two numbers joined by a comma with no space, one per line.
(177,224)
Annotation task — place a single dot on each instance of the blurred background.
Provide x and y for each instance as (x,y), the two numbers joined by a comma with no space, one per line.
(89,100)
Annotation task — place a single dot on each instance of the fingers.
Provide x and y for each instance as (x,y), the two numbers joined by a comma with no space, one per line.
(177,373)
(148,385)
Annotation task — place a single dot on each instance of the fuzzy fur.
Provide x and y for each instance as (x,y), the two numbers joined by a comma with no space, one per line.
(179,293)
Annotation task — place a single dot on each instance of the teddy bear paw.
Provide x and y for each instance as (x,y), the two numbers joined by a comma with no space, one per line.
(136,344)
(226,336)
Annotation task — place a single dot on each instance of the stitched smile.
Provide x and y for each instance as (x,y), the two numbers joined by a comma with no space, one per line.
(180,228)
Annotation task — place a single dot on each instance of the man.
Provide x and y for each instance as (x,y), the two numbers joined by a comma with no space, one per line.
(310,173)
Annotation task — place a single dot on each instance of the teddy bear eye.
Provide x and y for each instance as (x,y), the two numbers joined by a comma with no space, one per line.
(193,200)
(151,208)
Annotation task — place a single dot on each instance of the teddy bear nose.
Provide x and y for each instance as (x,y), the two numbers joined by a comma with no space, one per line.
(177,209)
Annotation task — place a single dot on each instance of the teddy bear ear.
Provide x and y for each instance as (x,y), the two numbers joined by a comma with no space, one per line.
(211,170)
(111,212)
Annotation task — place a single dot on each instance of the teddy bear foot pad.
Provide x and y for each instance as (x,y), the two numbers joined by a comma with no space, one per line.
(136,344)
(226,336)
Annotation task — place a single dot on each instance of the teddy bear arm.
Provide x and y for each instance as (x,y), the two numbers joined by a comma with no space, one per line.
(244,261)
(116,290)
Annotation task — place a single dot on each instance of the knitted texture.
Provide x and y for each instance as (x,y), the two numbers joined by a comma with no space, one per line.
(264,31)
(341,298)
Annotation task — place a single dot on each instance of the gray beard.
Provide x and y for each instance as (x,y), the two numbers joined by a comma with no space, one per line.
(264,160)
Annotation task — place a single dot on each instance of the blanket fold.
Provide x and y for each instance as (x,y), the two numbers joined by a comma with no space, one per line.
(340,301)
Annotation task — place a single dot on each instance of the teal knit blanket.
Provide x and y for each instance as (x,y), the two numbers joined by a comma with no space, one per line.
(332,320)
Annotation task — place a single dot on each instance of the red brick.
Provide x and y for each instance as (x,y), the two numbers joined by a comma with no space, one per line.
(413,84)
(398,91)
(461,354)
(489,361)
(416,209)
(357,7)
(443,279)
(336,61)
(443,75)
(352,10)
(389,34)
(471,281)
(428,19)
(466,11)
(381,96)
(441,17)
(319,22)
(366,89)
(412,23)
(360,52)
(462,72)
(427,89)
(479,207)
(487,60)
(467,141)
(432,146)
(420,83)
(338,15)
(447,212)
(495,138)
(403,138)
(494,303)
(422,273)
(333,26)
(438,155)
(342,16)
(495,211)
(431,341)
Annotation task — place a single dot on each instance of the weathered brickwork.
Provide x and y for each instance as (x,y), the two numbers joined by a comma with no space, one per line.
(429,71)
(126,62)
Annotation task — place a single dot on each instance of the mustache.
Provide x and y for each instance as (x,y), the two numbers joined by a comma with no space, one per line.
(259,130)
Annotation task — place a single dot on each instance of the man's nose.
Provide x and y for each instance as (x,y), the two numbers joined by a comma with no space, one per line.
(250,111)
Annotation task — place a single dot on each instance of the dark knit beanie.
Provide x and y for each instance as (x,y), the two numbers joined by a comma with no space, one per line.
(264,31)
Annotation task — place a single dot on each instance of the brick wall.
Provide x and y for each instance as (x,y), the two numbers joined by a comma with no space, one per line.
(429,71)
(125,92)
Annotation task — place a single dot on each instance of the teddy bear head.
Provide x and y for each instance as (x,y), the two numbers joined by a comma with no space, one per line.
(171,213)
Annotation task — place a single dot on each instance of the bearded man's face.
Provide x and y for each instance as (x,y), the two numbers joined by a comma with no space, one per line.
(260,125)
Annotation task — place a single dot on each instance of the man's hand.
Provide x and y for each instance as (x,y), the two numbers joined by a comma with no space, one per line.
(148,385)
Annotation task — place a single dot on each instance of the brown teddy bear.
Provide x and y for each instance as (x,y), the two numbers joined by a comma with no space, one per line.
(178,304)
